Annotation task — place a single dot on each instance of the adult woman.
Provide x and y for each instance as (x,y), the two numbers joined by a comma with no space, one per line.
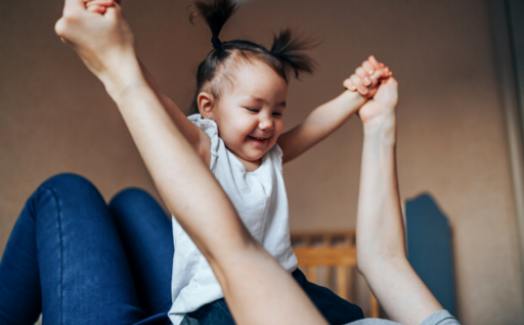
(248,275)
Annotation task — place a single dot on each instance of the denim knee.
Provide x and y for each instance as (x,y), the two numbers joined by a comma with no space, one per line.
(132,201)
(67,182)
(60,188)
(130,194)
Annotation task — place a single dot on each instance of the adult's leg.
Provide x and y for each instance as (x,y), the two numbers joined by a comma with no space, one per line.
(19,279)
(83,271)
(146,234)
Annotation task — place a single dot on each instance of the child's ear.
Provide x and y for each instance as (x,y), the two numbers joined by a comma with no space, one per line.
(206,103)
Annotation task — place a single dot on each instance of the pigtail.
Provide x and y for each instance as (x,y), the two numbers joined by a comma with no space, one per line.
(216,13)
(289,50)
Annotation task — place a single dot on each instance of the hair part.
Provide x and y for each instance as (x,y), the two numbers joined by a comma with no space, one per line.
(286,54)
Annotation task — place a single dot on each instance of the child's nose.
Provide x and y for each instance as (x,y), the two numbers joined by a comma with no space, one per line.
(265,123)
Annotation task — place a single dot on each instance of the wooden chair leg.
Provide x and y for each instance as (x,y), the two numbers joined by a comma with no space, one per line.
(342,281)
(374,309)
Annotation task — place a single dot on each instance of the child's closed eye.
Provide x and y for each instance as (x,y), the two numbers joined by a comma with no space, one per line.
(257,110)
(252,109)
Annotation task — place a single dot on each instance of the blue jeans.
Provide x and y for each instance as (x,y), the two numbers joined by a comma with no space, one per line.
(80,261)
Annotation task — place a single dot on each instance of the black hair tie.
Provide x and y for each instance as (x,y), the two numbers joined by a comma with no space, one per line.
(217,44)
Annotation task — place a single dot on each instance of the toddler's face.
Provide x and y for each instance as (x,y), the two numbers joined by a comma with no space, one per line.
(249,112)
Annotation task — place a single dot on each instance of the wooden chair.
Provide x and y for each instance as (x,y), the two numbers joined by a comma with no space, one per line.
(334,251)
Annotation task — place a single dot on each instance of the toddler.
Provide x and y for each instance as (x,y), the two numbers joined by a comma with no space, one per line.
(239,133)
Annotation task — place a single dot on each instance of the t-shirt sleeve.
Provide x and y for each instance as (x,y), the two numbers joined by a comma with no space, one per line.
(276,155)
(210,128)
(441,317)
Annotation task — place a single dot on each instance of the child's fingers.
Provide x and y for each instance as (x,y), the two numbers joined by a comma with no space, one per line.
(373,61)
(385,72)
(357,81)
(376,76)
(379,76)
(364,76)
(354,83)
(368,67)
(349,85)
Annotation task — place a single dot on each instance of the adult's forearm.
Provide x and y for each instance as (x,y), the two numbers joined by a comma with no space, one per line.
(380,231)
(379,224)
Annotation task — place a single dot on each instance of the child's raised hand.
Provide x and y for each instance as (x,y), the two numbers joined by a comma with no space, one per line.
(367,77)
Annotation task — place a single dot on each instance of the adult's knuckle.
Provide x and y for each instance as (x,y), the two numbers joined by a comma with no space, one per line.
(60,27)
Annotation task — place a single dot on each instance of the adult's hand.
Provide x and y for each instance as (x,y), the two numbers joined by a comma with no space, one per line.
(381,108)
(103,42)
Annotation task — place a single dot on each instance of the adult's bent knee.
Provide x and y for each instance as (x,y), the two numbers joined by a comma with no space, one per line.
(67,182)
(133,201)
(130,194)
(66,198)
(69,190)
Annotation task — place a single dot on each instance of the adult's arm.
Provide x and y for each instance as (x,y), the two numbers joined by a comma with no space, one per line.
(380,232)
(257,289)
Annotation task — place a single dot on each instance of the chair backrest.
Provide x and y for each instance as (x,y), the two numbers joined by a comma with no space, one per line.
(334,250)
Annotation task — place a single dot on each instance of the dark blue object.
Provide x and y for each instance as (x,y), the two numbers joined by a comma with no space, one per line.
(79,261)
(430,248)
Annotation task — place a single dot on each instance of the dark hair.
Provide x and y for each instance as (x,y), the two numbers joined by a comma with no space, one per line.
(285,55)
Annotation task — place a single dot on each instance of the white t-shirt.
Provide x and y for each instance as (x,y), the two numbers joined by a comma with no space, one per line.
(260,200)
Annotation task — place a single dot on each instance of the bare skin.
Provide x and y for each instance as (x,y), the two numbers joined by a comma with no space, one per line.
(105,45)
(319,124)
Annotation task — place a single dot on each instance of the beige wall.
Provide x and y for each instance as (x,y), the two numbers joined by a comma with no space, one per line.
(54,116)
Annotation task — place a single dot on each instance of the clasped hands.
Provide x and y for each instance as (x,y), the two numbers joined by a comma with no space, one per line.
(374,81)
(103,40)
(368,77)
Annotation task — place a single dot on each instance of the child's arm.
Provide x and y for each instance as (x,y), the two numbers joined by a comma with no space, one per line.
(320,123)
(380,233)
(326,118)
(248,275)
